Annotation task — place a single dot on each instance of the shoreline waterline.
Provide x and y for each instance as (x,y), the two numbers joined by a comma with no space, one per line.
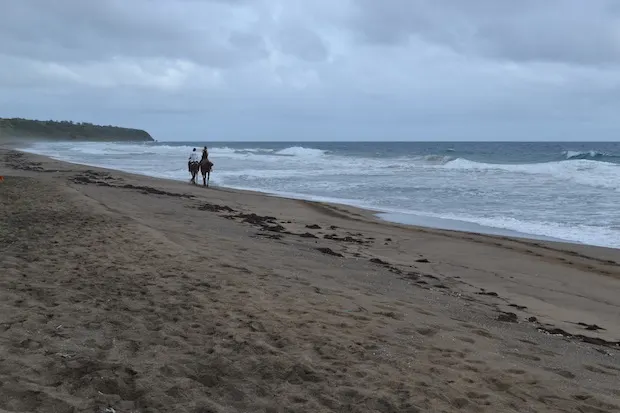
(393,216)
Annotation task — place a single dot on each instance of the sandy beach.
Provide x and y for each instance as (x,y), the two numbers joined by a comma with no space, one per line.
(124,293)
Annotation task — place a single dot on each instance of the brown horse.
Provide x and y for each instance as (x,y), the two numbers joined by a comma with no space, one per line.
(194,168)
(206,166)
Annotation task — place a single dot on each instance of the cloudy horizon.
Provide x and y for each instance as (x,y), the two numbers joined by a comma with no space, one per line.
(318,70)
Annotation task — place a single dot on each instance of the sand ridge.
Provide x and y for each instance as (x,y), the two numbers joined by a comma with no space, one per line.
(141,295)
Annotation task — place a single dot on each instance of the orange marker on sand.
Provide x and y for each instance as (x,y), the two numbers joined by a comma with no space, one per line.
(1,178)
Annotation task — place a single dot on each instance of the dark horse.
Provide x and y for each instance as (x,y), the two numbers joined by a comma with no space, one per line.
(205,166)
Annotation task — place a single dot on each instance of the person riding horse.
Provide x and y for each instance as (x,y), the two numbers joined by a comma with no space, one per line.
(193,159)
(204,166)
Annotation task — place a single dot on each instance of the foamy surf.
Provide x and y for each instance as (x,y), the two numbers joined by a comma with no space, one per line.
(572,198)
(587,155)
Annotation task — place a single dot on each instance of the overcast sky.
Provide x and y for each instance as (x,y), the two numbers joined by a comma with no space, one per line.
(318,69)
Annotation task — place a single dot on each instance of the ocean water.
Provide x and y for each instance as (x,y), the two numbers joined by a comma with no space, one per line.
(563,191)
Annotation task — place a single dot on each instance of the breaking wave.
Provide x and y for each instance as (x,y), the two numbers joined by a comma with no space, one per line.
(588,155)
(580,171)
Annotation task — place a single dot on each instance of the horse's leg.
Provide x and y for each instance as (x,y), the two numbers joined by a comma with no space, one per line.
(204,183)
(208,177)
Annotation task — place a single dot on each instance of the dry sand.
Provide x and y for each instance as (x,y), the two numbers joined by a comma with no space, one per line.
(122,293)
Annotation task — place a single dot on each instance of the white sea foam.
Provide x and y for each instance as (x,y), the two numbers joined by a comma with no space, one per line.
(585,234)
(300,151)
(579,171)
(592,154)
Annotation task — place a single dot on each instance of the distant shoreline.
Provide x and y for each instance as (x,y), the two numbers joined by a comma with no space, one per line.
(18,129)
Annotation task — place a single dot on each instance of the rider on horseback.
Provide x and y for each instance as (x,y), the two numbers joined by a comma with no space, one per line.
(193,158)
(203,165)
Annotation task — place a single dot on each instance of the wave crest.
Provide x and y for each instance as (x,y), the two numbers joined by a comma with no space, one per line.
(435,159)
(585,154)
(301,152)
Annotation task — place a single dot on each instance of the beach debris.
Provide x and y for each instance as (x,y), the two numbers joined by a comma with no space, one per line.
(412,276)
(307,235)
(270,236)
(82,180)
(252,218)
(508,317)
(532,320)
(422,260)
(313,226)
(215,208)
(335,237)
(585,339)
(591,327)
(386,264)
(390,314)
(149,190)
(266,223)
(274,228)
(92,178)
(16,160)
(489,293)
(329,251)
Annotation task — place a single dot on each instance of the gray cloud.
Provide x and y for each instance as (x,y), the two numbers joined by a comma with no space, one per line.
(397,69)
(303,43)
(528,30)
(75,30)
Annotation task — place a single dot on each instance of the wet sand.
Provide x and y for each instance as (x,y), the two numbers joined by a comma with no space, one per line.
(135,294)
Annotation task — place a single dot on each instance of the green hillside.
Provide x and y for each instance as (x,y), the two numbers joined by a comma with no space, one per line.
(67,130)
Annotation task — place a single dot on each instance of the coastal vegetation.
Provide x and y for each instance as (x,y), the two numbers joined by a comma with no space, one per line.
(68,130)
